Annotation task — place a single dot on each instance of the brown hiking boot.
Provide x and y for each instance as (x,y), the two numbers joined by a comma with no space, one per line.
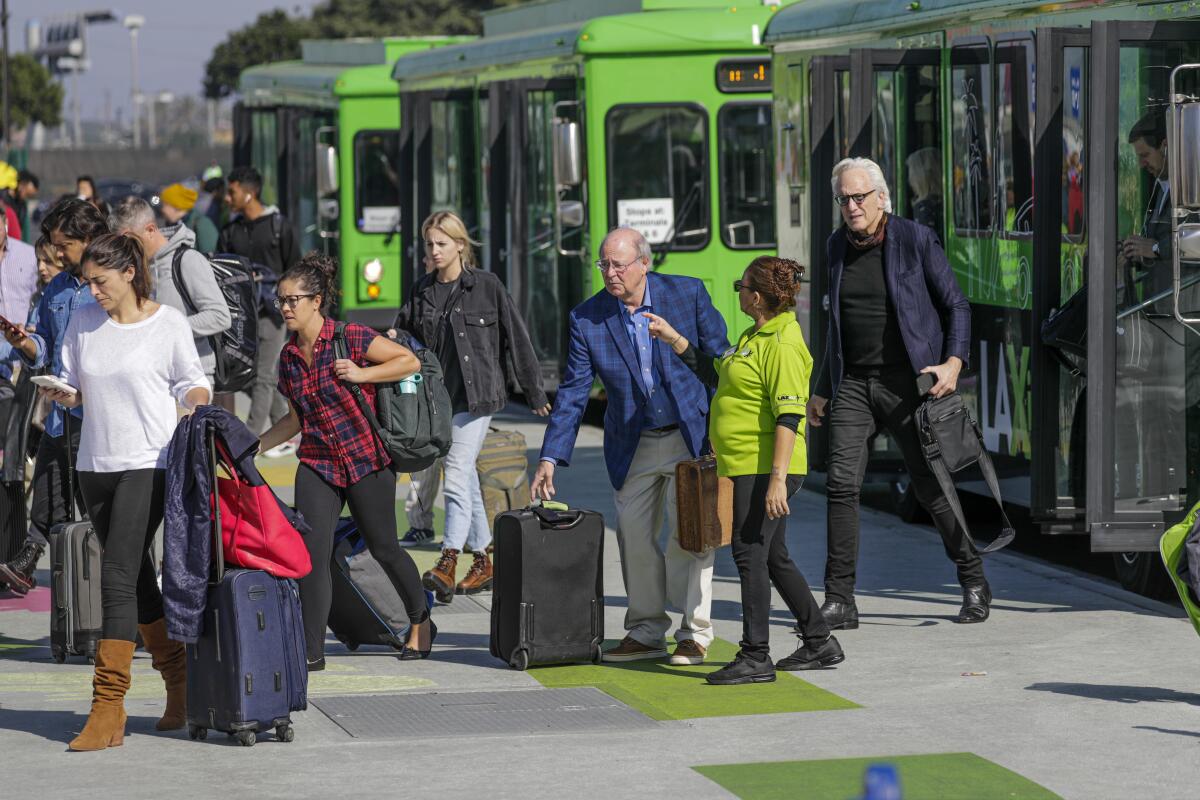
(440,579)
(478,578)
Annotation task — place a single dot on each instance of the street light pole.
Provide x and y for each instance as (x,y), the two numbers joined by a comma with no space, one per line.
(4,70)
(133,22)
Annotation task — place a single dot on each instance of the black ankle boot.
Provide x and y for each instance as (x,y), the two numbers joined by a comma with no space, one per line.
(977,603)
(840,616)
(18,573)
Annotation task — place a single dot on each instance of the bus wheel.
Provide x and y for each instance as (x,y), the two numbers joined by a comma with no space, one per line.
(905,502)
(1145,574)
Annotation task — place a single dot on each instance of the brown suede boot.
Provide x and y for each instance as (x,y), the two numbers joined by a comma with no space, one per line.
(478,578)
(106,724)
(170,658)
(440,579)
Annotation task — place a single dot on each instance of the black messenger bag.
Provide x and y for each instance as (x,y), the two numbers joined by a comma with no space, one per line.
(951,441)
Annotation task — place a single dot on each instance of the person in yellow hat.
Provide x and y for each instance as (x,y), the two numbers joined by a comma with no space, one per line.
(179,205)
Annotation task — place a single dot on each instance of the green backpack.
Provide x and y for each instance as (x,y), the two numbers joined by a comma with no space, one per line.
(414,427)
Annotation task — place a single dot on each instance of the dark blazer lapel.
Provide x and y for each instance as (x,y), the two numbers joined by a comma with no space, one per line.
(616,327)
(837,259)
(891,259)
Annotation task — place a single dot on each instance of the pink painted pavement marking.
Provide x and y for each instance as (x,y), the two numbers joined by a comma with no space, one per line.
(37,600)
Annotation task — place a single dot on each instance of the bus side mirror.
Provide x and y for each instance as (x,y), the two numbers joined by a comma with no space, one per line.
(568,166)
(327,170)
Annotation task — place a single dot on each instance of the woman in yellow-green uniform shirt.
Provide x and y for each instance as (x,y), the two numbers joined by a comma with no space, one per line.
(756,426)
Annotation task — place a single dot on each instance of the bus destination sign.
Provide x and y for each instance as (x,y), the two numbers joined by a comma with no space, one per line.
(744,75)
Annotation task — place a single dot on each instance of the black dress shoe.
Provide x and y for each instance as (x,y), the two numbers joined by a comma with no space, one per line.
(840,616)
(813,655)
(743,669)
(317,666)
(977,601)
(412,654)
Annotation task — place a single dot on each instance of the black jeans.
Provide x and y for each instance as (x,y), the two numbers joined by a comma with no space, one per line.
(372,503)
(49,506)
(126,509)
(760,552)
(862,406)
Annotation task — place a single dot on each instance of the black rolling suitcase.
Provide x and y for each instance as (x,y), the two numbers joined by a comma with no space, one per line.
(247,672)
(548,590)
(366,608)
(76,558)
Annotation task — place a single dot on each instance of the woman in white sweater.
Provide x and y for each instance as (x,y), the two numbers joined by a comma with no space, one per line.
(130,360)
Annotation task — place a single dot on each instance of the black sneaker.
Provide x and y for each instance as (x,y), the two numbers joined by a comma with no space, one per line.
(317,666)
(813,655)
(19,573)
(417,537)
(743,669)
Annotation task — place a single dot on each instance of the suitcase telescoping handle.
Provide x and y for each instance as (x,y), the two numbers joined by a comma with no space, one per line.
(72,510)
(218,557)
(557,516)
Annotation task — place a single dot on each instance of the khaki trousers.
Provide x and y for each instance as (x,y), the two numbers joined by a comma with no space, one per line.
(654,578)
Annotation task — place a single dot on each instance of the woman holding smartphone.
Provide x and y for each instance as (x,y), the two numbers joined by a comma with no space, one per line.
(131,360)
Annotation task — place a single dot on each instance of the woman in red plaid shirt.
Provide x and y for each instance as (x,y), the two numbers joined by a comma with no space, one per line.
(341,459)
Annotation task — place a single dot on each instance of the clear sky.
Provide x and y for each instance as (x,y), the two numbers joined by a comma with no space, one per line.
(173,47)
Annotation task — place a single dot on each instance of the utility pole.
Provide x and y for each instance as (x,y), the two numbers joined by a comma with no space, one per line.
(133,22)
(4,70)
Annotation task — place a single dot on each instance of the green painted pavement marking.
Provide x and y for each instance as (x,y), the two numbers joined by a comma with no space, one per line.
(73,682)
(664,692)
(928,777)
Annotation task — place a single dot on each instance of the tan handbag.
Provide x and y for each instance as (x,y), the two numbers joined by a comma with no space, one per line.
(704,505)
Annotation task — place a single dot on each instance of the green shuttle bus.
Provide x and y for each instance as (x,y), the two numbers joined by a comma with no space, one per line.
(323,131)
(973,110)
(569,118)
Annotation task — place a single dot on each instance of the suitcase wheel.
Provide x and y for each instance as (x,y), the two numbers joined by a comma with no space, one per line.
(519,660)
(597,655)
(351,646)
(246,738)
(196,732)
(91,659)
(59,655)
(284,733)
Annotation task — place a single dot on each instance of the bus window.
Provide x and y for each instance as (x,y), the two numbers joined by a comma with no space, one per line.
(376,181)
(906,126)
(658,172)
(1014,118)
(1074,198)
(747,172)
(452,134)
(841,116)
(970,142)
(264,153)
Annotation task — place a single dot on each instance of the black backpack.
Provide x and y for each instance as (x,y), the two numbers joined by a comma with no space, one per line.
(236,347)
(415,429)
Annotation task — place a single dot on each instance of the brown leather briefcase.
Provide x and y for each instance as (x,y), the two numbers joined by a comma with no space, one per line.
(704,505)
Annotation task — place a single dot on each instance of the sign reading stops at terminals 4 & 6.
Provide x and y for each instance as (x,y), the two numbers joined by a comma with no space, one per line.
(651,217)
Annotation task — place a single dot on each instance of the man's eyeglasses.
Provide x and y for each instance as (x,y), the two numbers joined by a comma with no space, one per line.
(290,300)
(607,266)
(843,200)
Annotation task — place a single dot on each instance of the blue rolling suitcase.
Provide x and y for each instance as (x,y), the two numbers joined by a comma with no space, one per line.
(247,672)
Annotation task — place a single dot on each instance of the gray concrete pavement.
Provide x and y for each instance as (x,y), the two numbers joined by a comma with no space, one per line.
(1075,683)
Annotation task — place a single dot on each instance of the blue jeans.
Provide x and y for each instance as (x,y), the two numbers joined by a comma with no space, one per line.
(466,518)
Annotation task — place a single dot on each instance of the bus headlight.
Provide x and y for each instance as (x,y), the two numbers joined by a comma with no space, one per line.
(373,271)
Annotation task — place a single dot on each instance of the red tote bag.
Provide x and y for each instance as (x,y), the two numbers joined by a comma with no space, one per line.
(254,531)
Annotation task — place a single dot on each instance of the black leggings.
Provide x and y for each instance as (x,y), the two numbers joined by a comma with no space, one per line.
(760,552)
(126,509)
(372,503)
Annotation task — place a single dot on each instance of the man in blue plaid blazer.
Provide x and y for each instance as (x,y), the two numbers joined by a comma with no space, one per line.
(656,417)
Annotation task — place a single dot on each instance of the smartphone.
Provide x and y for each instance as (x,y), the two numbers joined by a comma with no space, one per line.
(51,382)
(6,325)
(925,382)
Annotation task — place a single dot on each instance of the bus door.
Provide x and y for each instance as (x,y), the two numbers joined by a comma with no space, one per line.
(829,120)
(546,266)
(1143,364)
(1058,405)
(896,121)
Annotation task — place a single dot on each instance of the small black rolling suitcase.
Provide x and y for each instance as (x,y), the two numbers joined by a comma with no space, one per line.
(76,559)
(247,672)
(548,591)
(366,608)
